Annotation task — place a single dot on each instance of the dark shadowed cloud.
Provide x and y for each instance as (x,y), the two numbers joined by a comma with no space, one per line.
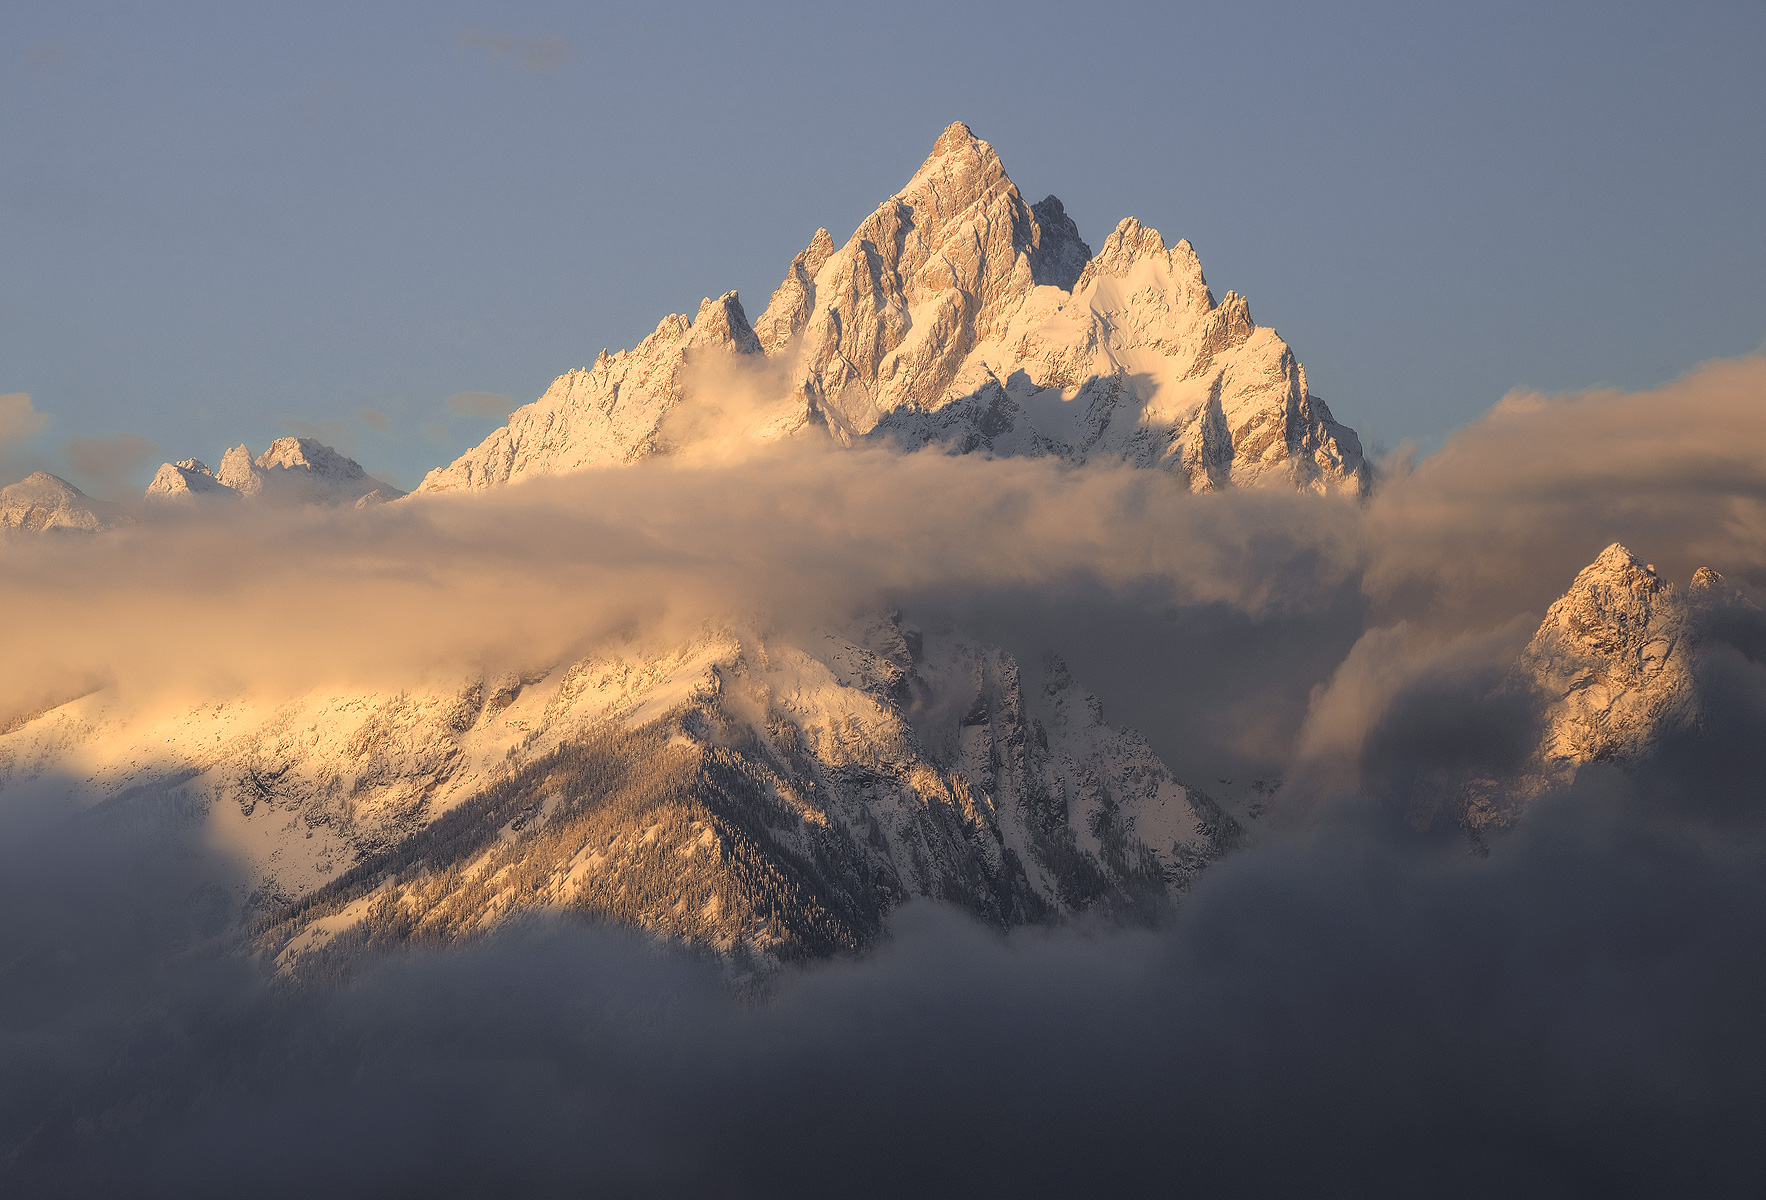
(1356,1003)
(1348,1011)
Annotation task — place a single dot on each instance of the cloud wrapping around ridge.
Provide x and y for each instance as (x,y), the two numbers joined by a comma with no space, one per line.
(1345,1007)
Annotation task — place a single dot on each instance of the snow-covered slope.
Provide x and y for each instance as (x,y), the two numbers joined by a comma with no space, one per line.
(294,470)
(768,797)
(43,503)
(959,315)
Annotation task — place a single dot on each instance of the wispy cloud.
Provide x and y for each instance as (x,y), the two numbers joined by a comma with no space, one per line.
(373,420)
(107,463)
(539,53)
(18,420)
(480,404)
(47,60)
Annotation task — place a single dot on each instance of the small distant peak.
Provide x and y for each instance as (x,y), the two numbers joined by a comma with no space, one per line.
(43,481)
(1704,579)
(181,480)
(297,453)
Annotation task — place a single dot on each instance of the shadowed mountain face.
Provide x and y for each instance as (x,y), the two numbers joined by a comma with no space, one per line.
(958,315)
(770,799)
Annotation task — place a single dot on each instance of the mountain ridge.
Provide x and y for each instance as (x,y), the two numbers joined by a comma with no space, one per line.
(958,315)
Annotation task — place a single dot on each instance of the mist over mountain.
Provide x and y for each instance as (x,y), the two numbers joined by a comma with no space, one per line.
(981,724)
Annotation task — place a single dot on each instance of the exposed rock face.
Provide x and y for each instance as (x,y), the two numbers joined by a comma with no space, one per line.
(958,315)
(794,299)
(1613,662)
(767,798)
(1062,254)
(1614,670)
(294,470)
(1140,363)
(42,503)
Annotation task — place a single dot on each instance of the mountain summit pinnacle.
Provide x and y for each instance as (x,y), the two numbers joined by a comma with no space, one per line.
(959,315)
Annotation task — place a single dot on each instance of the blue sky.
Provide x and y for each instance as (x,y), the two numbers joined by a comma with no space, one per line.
(227,222)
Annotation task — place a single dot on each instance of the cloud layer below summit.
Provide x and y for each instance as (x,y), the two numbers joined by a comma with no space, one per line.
(1487,531)
(1347,1002)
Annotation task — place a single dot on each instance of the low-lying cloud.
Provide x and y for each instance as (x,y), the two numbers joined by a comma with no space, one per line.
(1354,1004)
(1343,1012)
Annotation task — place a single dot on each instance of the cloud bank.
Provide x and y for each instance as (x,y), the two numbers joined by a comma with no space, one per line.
(1351,1005)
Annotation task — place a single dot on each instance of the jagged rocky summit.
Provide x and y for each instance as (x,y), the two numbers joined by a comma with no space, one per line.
(294,470)
(766,797)
(1616,660)
(957,315)
(1614,671)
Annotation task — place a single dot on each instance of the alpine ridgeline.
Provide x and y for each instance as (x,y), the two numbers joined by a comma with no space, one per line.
(766,798)
(957,315)
(294,470)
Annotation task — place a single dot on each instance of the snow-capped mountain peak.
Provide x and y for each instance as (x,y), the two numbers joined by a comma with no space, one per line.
(961,316)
